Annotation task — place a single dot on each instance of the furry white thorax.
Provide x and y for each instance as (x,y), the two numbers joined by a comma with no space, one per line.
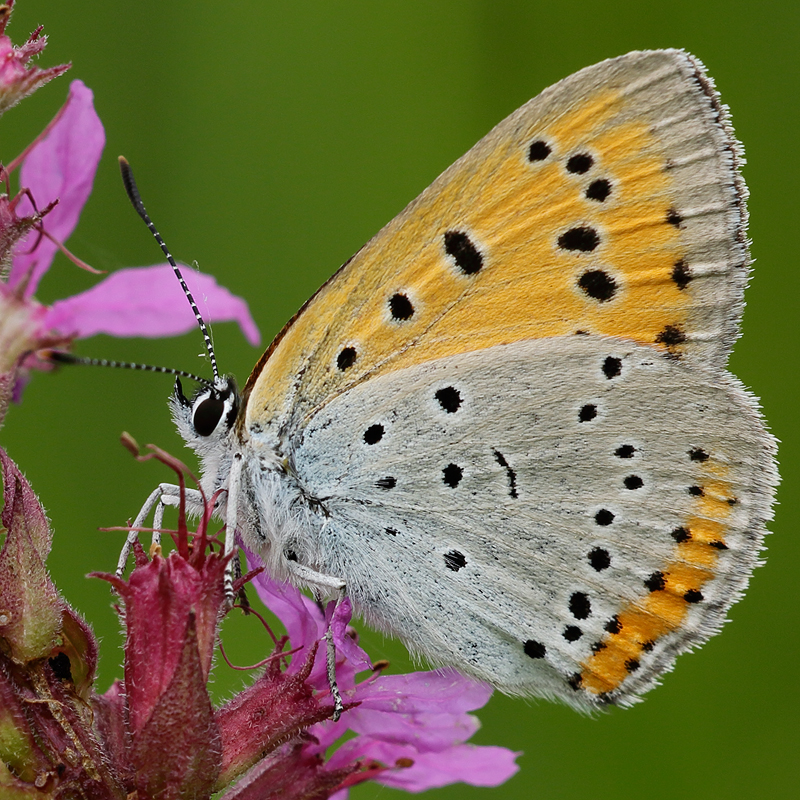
(275,518)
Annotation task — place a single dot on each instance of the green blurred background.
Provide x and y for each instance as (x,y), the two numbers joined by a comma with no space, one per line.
(270,141)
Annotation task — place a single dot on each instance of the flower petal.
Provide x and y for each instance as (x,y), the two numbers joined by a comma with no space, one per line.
(437,691)
(299,614)
(464,763)
(61,166)
(424,709)
(148,301)
(476,765)
(427,733)
(346,638)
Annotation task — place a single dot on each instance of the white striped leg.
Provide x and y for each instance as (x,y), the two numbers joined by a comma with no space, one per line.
(166,494)
(330,664)
(318,580)
(234,482)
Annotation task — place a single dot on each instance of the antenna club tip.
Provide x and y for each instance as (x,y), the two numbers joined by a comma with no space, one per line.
(56,356)
(124,167)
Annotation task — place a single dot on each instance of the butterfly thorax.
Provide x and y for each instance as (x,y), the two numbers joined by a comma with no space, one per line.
(276,513)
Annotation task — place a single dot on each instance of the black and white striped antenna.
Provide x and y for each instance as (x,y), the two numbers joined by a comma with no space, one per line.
(136,200)
(62,357)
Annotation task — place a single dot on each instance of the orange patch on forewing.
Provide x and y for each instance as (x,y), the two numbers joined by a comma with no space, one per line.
(663,611)
(572,130)
(513,211)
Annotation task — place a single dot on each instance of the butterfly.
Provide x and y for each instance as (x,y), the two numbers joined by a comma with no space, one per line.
(505,428)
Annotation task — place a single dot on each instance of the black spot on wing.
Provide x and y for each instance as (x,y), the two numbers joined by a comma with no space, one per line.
(512,475)
(580,163)
(538,150)
(463,251)
(681,274)
(373,434)
(598,284)
(612,367)
(346,358)
(599,559)
(400,307)
(452,475)
(449,399)
(455,560)
(534,649)
(582,239)
(599,190)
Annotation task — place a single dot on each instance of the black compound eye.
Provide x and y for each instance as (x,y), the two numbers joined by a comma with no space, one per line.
(207,415)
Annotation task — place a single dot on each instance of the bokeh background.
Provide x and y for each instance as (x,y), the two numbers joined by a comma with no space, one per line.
(270,141)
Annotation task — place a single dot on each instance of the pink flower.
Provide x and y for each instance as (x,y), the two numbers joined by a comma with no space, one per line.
(411,730)
(131,302)
(157,734)
(56,178)
(18,78)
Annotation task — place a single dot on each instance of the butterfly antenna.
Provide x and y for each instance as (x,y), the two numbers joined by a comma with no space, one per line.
(136,200)
(60,357)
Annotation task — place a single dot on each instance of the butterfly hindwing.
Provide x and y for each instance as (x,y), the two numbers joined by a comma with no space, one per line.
(557,549)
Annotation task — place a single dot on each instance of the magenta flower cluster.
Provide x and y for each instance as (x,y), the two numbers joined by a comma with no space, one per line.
(156,734)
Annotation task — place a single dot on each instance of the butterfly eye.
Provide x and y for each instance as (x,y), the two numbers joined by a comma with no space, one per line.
(207,415)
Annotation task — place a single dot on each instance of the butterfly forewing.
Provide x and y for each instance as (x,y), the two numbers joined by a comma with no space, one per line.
(609,204)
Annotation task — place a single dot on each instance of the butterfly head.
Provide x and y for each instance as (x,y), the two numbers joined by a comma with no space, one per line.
(206,420)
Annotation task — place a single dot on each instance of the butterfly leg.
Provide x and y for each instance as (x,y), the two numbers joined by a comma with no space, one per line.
(319,581)
(166,494)
(232,506)
(330,664)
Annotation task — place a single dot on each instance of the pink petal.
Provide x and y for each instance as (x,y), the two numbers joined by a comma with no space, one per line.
(423,709)
(299,614)
(346,638)
(466,763)
(424,732)
(148,301)
(437,691)
(61,166)
(463,763)
(304,621)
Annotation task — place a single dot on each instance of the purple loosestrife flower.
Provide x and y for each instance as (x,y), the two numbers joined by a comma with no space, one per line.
(157,735)
(143,301)
(411,730)
(18,78)
(56,177)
